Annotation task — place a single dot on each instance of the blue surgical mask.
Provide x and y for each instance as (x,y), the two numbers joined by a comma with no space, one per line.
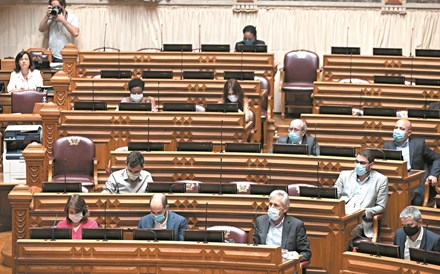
(273,213)
(294,136)
(159,218)
(398,135)
(248,42)
(360,169)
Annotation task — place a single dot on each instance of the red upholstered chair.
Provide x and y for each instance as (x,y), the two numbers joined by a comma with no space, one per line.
(297,77)
(24,101)
(73,160)
(294,188)
(264,94)
(232,234)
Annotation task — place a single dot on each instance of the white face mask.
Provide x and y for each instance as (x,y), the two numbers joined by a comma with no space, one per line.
(233,98)
(136,97)
(76,218)
(132,176)
(273,213)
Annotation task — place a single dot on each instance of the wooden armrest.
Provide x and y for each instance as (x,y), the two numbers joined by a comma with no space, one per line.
(305,264)
(50,169)
(376,227)
(95,173)
(426,196)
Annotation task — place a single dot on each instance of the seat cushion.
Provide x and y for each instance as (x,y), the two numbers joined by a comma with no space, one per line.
(73,178)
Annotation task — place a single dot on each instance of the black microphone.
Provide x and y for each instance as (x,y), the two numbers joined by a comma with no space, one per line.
(161,37)
(425,97)
(411,55)
(241,62)
(381,151)
(65,175)
(154,233)
(206,224)
(200,38)
(424,249)
(221,174)
(93,95)
(256,238)
(221,136)
(370,241)
(105,221)
(171,188)
(270,175)
(105,34)
(317,174)
(148,134)
(348,50)
(158,95)
(360,102)
(119,64)
(181,64)
(53,228)
(316,142)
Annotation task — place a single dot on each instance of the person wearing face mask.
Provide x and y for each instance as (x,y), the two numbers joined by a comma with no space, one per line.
(24,76)
(132,179)
(136,87)
(363,188)
(418,156)
(279,229)
(163,218)
(249,37)
(63,27)
(77,214)
(413,234)
(297,135)
(234,94)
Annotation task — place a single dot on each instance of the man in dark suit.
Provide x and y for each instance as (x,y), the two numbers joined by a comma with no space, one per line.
(297,135)
(418,156)
(162,218)
(249,37)
(413,234)
(277,228)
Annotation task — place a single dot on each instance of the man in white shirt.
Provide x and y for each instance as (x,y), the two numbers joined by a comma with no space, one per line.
(63,27)
(413,234)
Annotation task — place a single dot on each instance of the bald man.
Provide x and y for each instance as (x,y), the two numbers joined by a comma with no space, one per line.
(418,156)
(297,135)
(162,218)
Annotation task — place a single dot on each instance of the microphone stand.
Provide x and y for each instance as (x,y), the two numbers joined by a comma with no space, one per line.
(65,175)
(221,171)
(105,34)
(256,237)
(105,221)
(206,224)
(424,249)
(53,228)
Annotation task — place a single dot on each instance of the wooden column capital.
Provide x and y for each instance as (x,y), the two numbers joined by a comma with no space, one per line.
(50,115)
(70,60)
(35,157)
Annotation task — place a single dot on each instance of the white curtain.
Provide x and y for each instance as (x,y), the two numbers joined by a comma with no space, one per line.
(282,28)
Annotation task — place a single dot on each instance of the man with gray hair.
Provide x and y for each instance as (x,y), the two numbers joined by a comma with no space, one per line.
(297,136)
(413,234)
(279,229)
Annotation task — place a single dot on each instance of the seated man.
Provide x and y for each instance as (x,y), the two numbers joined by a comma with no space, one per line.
(363,189)
(297,135)
(132,179)
(162,218)
(413,234)
(136,87)
(277,228)
(249,37)
(417,155)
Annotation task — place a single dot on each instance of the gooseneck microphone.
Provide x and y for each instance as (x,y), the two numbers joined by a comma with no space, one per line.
(206,223)
(65,175)
(351,52)
(369,241)
(93,95)
(148,134)
(181,64)
(161,37)
(154,234)
(221,174)
(116,182)
(105,35)
(53,228)
(105,221)
(425,247)
(256,237)
(200,38)
(411,55)
(221,136)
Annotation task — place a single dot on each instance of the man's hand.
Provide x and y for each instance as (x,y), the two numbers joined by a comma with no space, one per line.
(432,180)
(49,10)
(60,18)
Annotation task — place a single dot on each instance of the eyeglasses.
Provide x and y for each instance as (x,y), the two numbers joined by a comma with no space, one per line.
(361,162)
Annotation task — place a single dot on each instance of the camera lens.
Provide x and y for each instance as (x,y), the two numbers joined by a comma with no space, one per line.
(55,10)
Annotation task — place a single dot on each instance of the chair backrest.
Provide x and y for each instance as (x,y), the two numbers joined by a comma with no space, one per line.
(232,233)
(24,101)
(243,187)
(73,155)
(265,91)
(192,186)
(300,66)
(293,189)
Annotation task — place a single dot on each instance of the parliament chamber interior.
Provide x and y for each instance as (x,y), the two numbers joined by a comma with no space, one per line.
(227,123)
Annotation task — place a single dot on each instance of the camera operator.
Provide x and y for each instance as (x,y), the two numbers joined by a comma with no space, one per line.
(63,27)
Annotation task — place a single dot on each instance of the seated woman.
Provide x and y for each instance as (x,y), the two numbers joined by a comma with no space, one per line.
(233,93)
(77,213)
(24,76)
(249,37)
(136,87)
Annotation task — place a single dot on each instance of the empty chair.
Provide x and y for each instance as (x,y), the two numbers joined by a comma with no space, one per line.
(192,186)
(243,187)
(73,160)
(294,188)
(24,101)
(264,94)
(232,234)
(299,72)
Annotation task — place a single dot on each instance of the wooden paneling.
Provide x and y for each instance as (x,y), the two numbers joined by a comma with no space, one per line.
(400,97)
(338,67)
(149,257)
(370,264)
(431,216)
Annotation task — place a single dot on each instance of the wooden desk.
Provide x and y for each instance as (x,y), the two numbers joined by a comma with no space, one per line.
(400,97)
(364,131)
(340,66)
(328,228)
(370,264)
(149,257)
